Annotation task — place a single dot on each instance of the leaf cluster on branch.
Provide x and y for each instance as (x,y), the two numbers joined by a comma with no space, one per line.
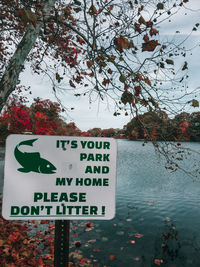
(100,48)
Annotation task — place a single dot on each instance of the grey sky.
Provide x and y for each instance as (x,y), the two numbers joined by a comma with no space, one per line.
(100,114)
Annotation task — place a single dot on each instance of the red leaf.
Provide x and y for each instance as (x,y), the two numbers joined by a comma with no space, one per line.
(112,257)
(139,235)
(146,38)
(77,244)
(153,32)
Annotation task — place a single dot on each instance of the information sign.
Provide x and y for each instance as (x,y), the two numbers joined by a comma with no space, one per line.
(59,178)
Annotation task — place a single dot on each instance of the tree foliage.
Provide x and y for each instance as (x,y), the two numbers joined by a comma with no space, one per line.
(107,48)
(43,117)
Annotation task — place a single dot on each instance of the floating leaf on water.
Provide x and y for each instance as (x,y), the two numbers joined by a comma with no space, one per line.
(89,224)
(158,262)
(131,241)
(96,249)
(92,241)
(112,257)
(88,229)
(139,235)
(75,235)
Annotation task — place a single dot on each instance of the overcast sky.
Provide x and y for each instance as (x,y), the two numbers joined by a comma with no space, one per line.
(96,114)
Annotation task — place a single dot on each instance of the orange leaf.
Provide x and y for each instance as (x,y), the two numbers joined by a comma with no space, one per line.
(80,40)
(147,81)
(131,241)
(112,257)
(140,76)
(121,43)
(150,46)
(158,262)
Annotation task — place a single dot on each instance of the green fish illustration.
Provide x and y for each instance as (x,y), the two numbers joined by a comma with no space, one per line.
(32,162)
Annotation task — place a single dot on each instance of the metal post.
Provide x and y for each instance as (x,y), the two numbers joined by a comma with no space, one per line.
(61,243)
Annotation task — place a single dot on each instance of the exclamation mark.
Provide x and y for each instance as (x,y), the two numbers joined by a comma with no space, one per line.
(103,210)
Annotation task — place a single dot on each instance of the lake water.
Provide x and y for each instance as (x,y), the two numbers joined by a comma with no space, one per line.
(157,216)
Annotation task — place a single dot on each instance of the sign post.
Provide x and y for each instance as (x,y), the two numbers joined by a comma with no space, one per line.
(61,243)
(59,178)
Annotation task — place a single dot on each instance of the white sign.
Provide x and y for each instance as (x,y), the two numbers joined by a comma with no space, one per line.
(59,177)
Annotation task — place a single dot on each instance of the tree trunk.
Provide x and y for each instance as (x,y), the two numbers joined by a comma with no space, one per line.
(15,66)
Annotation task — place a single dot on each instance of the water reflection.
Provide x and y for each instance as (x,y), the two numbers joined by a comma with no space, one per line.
(157,218)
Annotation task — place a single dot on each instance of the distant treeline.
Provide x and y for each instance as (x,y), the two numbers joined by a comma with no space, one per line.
(43,117)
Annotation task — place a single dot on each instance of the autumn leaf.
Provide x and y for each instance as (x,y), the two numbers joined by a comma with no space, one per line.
(185,66)
(121,43)
(92,10)
(127,97)
(137,90)
(110,71)
(112,257)
(146,38)
(111,59)
(137,27)
(110,7)
(160,6)
(169,61)
(89,63)
(80,40)
(89,224)
(195,103)
(131,241)
(58,77)
(72,84)
(150,46)
(147,81)
(122,78)
(142,20)
(96,249)
(139,235)
(153,32)
(158,262)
